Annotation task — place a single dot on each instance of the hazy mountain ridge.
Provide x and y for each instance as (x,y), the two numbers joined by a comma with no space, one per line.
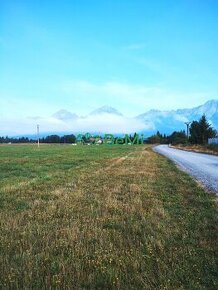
(209,108)
(107,119)
(168,121)
(106,110)
(153,120)
(64,115)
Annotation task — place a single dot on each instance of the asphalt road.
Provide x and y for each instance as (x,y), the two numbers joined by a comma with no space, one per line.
(202,167)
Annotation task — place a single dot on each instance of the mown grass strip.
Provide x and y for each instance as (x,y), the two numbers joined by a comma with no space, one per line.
(119,218)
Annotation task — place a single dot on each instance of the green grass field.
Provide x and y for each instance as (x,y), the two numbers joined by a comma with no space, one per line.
(103,217)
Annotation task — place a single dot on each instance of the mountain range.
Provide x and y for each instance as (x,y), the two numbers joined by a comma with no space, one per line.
(107,119)
(150,121)
(169,121)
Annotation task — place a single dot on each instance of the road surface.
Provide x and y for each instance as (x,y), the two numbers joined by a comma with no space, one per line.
(202,167)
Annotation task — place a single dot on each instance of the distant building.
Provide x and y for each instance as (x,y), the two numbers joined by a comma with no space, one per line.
(213,140)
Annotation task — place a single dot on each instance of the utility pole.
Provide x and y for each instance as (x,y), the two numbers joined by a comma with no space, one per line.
(38,134)
(187,124)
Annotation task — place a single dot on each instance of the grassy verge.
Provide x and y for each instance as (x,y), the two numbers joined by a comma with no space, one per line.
(208,149)
(103,217)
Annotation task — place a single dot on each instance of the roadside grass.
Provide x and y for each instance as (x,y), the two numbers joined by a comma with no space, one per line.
(208,149)
(103,217)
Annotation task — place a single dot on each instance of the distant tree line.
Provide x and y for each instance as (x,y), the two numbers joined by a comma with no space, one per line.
(49,139)
(16,140)
(174,138)
(199,133)
(59,139)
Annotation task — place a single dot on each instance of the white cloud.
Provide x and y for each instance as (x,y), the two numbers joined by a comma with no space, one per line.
(17,126)
(109,124)
(104,123)
(131,99)
(83,97)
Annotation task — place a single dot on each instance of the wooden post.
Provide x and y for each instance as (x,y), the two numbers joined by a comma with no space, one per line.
(38,134)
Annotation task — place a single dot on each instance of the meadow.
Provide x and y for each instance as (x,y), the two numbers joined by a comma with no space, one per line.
(103,217)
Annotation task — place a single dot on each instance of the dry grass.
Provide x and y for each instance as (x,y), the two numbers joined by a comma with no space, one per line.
(208,149)
(126,218)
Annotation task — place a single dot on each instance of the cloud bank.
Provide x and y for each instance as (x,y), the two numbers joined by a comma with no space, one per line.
(103,123)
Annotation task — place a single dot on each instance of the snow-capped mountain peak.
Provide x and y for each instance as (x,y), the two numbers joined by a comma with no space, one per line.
(169,121)
(106,110)
(64,115)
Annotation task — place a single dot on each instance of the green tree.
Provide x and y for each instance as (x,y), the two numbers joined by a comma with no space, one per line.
(68,139)
(201,130)
(178,138)
(195,132)
(158,138)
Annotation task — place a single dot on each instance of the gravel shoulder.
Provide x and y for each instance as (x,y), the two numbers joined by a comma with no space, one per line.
(203,167)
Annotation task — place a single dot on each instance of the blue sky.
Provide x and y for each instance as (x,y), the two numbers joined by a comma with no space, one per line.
(133,55)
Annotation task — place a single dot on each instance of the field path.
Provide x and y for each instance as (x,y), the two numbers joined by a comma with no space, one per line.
(203,167)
